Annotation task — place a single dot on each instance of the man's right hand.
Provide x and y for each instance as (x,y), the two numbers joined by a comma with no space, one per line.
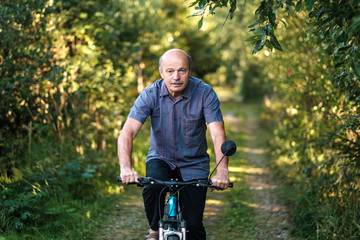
(128,176)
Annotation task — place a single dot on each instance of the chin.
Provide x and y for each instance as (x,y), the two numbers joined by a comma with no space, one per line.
(178,90)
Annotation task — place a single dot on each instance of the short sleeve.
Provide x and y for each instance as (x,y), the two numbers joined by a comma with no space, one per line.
(212,111)
(142,107)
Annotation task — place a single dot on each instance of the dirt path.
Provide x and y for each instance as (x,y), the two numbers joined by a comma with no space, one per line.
(269,218)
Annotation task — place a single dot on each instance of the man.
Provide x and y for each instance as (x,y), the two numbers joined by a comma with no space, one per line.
(179,106)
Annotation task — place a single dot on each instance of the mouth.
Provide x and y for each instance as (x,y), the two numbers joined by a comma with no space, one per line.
(177,83)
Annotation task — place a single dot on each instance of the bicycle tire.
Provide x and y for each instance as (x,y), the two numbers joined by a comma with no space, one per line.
(174,237)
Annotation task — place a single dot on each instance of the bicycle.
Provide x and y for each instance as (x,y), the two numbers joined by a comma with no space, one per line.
(172,226)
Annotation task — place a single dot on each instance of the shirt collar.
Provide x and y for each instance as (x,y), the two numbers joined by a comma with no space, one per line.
(187,93)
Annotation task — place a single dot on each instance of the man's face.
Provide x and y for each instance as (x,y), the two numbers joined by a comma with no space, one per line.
(175,72)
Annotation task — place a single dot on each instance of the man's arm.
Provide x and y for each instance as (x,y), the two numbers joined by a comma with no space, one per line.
(217,133)
(125,145)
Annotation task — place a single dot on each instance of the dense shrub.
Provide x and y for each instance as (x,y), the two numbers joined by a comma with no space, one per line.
(313,65)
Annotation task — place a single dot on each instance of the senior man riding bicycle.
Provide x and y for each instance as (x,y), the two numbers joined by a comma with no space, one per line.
(180,107)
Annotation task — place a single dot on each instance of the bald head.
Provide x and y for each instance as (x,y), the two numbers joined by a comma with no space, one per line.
(170,53)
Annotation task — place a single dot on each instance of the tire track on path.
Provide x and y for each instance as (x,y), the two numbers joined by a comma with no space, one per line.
(271,217)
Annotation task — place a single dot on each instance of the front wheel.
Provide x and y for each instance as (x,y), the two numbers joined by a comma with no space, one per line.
(174,237)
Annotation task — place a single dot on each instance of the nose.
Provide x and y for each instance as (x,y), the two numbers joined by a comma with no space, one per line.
(176,75)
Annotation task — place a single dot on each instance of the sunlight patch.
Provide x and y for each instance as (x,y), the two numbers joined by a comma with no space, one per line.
(273,208)
(214,202)
(252,150)
(115,189)
(235,179)
(248,170)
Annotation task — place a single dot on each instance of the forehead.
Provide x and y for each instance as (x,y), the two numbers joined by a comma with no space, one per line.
(175,59)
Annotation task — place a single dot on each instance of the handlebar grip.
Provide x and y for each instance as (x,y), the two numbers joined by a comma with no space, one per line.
(118,179)
(231,185)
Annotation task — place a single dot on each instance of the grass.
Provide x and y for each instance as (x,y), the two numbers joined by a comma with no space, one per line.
(61,196)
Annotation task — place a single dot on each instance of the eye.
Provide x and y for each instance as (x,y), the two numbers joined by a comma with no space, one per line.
(170,71)
(182,71)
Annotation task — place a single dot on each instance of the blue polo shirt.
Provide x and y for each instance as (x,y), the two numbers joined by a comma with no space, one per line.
(178,127)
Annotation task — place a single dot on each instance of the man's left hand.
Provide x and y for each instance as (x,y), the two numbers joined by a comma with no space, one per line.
(220,180)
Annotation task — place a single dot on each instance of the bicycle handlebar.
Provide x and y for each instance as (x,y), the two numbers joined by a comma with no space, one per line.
(142,181)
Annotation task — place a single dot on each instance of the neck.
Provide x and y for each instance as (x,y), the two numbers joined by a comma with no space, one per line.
(176,95)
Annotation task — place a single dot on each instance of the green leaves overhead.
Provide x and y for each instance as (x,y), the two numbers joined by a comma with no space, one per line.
(275,42)
(265,18)
(264,37)
(207,7)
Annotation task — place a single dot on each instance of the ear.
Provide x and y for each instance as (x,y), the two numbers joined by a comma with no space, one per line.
(161,74)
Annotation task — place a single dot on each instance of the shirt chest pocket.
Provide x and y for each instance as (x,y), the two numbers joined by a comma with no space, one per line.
(194,130)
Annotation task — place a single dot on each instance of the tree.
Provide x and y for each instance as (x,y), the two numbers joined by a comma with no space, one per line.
(29,77)
(315,106)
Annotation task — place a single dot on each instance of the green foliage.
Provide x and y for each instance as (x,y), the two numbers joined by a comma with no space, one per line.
(315,144)
(210,5)
(254,87)
(265,19)
(28,77)
(50,197)
(70,71)
(313,108)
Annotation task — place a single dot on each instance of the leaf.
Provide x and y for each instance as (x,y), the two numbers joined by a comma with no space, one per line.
(310,4)
(83,15)
(258,31)
(196,14)
(254,24)
(298,6)
(71,210)
(268,44)
(267,30)
(275,42)
(272,17)
(251,40)
(257,47)
(200,23)
(355,26)
(342,38)
(193,4)
(356,68)
(260,43)
(211,10)
(25,215)
(232,8)
(284,23)
(87,175)
(202,3)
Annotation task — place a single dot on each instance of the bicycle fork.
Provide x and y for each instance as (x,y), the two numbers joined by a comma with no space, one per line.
(173,222)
